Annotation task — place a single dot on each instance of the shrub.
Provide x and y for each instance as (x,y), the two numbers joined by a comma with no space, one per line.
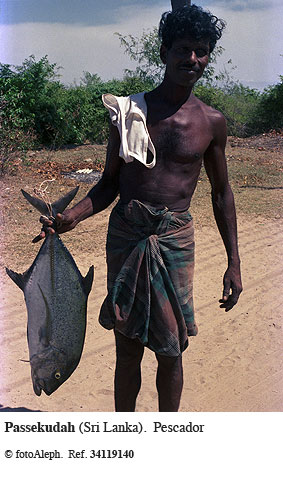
(269,112)
(237,102)
(13,138)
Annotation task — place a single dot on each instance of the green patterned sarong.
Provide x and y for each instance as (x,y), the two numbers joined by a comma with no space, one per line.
(150,260)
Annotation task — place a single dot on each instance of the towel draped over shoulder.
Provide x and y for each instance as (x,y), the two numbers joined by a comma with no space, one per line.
(129,114)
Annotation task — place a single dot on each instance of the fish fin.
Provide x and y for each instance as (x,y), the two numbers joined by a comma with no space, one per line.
(43,336)
(56,206)
(88,280)
(61,204)
(19,279)
(40,205)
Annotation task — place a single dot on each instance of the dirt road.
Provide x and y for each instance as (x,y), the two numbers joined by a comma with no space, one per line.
(234,364)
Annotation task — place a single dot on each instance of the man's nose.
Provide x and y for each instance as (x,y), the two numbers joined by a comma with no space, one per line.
(192,57)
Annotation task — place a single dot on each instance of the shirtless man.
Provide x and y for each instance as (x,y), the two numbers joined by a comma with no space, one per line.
(185,133)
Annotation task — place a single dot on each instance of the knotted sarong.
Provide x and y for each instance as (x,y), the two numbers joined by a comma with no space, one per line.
(150,260)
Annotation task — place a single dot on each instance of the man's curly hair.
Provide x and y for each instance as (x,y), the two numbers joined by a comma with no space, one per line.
(190,21)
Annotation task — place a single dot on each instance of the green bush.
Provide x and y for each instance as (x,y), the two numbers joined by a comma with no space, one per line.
(269,112)
(22,87)
(37,109)
(237,102)
(14,140)
(36,101)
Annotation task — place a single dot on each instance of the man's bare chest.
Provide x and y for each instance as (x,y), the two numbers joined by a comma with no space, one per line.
(182,140)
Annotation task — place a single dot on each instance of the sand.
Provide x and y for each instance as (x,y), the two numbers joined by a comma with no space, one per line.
(235,364)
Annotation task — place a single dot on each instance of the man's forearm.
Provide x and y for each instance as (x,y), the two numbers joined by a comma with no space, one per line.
(82,210)
(97,199)
(102,194)
(225,216)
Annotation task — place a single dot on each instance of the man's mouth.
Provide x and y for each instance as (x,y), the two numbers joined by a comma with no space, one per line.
(189,68)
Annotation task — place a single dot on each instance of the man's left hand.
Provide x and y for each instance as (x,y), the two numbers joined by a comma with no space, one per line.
(232,282)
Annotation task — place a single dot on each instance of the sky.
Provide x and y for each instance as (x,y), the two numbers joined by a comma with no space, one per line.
(79,35)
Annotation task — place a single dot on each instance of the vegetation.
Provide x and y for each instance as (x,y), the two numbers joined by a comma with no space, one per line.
(36,108)
(269,109)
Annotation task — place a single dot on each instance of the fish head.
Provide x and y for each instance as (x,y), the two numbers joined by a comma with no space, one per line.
(49,369)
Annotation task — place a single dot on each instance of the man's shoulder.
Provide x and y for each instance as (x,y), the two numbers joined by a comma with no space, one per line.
(214,120)
(213,115)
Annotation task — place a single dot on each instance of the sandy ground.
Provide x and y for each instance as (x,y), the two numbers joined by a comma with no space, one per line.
(234,364)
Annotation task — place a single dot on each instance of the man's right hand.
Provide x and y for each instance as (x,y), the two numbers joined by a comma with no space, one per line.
(63,223)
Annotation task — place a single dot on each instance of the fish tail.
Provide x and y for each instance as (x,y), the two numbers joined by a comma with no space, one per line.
(39,204)
(61,204)
(57,206)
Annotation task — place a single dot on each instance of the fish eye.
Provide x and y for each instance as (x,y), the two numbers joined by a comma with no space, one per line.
(57,374)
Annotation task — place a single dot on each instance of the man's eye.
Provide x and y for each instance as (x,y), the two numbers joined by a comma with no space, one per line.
(182,50)
(200,52)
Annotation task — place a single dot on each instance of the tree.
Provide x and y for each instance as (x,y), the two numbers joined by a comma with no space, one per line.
(13,139)
(145,51)
(218,90)
(269,113)
(90,79)
(22,88)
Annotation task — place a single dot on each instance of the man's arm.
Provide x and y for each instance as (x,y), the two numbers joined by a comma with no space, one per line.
(107,189)
(224,210)
(98,198)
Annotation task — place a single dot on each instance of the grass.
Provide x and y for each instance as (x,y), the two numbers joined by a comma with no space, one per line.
(256,178)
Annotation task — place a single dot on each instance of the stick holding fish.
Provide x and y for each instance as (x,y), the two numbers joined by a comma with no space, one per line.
(56,298)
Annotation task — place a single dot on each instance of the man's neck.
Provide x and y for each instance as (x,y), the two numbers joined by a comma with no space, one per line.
(173,94)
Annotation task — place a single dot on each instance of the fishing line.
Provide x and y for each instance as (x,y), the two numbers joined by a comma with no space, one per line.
(44,195)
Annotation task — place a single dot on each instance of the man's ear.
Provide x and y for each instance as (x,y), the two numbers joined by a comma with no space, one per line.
(163,54)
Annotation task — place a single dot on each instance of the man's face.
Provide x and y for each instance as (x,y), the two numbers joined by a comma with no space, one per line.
(186,60)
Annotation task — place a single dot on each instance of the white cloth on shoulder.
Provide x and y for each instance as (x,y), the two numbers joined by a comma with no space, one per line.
(129,113)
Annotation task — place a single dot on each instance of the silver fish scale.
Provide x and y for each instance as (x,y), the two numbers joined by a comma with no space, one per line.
(56,299)
(57,303)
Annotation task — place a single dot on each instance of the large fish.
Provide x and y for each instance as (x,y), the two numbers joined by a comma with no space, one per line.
(56,298)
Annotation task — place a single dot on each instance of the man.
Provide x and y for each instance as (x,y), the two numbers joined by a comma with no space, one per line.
(150,246)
